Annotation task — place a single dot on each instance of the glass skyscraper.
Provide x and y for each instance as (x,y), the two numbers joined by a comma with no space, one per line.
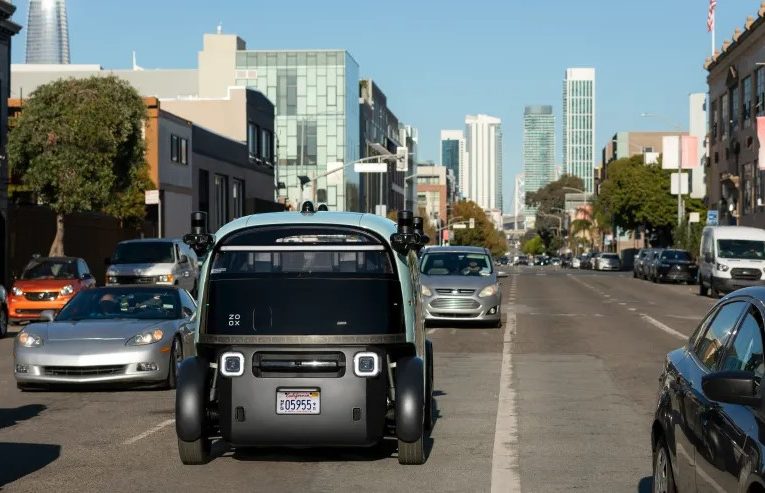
(453,153)
(538,147)
(316,94)
(47,32)
(579,125)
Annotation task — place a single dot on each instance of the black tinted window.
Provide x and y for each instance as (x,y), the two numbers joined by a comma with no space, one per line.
(144,252)
(50,269)
(745,353)
(716,336)
(676,255)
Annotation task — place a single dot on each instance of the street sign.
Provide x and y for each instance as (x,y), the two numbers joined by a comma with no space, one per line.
(371,167)
(151,197)
(694,217)
(472,223)
(712,218)
(459,226)
(402,158)
(683,184)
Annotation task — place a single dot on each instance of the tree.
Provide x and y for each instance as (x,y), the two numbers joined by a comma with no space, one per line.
(484,234)
(553,195)
(534,246)
(78,146)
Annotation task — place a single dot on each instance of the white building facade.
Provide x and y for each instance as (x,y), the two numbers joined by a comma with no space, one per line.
(482,180)
(697,127)
(579,124)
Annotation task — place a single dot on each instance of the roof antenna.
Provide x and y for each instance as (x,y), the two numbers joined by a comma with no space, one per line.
(220,27)
(135,64)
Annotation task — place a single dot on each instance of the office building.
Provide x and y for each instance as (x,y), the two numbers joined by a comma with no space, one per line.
(627,144)
(453,153)
(482,180)
(579,124)
(47,32)
(435,193)
(538,148)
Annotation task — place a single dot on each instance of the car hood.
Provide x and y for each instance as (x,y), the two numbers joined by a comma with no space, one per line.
(139,269)
(90,330)
(459,282)
(44,284)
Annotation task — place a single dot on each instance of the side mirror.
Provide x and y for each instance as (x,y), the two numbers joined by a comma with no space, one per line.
(501,274)
(48,315)
(731,387)
(86,276)
(184,259)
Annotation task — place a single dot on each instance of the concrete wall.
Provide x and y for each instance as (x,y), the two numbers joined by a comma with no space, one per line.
(226,116)
(217,64)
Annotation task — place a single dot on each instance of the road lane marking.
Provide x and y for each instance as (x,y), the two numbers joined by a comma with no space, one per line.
(505,463)
(669,330)
(148,432)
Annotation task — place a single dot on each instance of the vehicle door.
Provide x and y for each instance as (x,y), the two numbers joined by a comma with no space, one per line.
(188,324)
(726,426)
(705,357)
(706,256)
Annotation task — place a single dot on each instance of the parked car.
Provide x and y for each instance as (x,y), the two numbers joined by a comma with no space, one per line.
(731,257)
(708,433)
(153,261)
(460,285)
(649,266)
(627,257)
(576,262)
(608,261)
(640,260)
(47,283)
(307,316)
(585,262)
(522,260)
(135,334)
(503,260)
(594,261)
(555,261)
(675,265)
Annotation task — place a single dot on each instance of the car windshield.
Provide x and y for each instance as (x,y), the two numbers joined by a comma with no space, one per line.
(143,252)
(610,256)
(676,255)
(456,264)
(743,249)
(50,269)
(117,303)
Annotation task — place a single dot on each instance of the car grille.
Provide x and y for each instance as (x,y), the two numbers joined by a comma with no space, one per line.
(455,304)
(746,274)
(136,279)
(41,296)
(455,291)
(28,311)
(84,371)
(454,315)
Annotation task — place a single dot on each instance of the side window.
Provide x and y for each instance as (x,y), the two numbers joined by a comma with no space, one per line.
(188,304)
(716,337)
(745,353)
(83,267)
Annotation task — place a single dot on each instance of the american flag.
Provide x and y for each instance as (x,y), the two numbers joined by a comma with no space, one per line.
(711,15)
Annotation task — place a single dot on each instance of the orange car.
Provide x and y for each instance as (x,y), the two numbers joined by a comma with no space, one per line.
(47,283)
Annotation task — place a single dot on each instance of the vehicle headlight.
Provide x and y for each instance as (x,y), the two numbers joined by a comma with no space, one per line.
(490,290)
(66,290)
(17,291)
(166,278)
(426,291)
(30,340)
(144,338)
(111,279)
(722,267)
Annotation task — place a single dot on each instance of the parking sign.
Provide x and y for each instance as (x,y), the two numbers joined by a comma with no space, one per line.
(712,218)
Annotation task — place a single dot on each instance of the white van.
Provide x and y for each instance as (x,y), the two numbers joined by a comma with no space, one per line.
(730,258)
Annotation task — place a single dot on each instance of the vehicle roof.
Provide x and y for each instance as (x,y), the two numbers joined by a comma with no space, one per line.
(757,292)
(371,222)
(153,240)
(736,232)
(457,249)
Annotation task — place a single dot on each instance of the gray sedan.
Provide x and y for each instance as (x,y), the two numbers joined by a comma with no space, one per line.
(131,334)
(460,284)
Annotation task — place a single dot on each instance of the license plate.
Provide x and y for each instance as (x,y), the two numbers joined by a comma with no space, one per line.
(298,401)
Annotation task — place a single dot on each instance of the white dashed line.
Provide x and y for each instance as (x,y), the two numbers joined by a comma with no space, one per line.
(669,330)
(148,432)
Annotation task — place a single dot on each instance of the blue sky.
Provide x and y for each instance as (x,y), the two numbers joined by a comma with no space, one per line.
(438,61)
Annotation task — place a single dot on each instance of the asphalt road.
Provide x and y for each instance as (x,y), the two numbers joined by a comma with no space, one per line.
(573,375)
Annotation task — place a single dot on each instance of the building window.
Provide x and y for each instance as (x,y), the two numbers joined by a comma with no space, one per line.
(760,91)
(204,190)
(713,122)
(184,151)
(306,143)
(237,198)
(725,116)
(332,195)
(735,105)
(252,140)
(221,200)
(747,103)
(266,145)
(174,148)
(748,188)
(286,84)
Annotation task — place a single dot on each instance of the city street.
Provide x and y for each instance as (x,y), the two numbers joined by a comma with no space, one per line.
(575,395)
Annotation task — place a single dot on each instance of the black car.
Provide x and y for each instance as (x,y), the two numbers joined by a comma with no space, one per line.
(640,258)
(675,265)
(650,264)
(708,432)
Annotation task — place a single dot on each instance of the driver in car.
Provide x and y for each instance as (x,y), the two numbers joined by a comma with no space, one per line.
(472,269)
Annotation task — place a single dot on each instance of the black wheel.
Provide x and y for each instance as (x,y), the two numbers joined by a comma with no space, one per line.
(196,452)
(3,322)
(411,453)
(429,421)
(176,356)
(663,480)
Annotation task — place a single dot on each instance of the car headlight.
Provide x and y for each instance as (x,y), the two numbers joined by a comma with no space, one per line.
(426,291)
(30,340)
(722,267)
(111,279)
(144,338)
(17,291)
(66,290)
(166,278)
(490,290)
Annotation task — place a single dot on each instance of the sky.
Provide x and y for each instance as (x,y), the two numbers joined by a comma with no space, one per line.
(438,61)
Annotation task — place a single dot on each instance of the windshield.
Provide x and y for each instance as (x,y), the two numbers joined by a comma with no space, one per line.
(676,255)
(144,252)
(456,264)
(50,269)
(118,303)
(743,249)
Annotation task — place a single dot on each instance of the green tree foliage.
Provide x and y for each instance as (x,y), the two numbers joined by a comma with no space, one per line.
(484,234)
(534,246)
(553,195)
(78,146)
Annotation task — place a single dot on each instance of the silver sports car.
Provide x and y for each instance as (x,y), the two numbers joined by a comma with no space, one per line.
(136,334)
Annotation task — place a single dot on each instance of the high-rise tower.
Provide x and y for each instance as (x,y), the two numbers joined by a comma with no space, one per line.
(47,32)
(579,125)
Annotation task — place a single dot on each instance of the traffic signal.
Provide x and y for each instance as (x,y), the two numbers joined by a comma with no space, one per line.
(472,223)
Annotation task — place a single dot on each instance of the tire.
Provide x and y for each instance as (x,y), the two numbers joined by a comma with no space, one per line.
(663,479)
(429,421)
(195,453)
(411,454)
(3,322)
(703,290)
(176,356)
